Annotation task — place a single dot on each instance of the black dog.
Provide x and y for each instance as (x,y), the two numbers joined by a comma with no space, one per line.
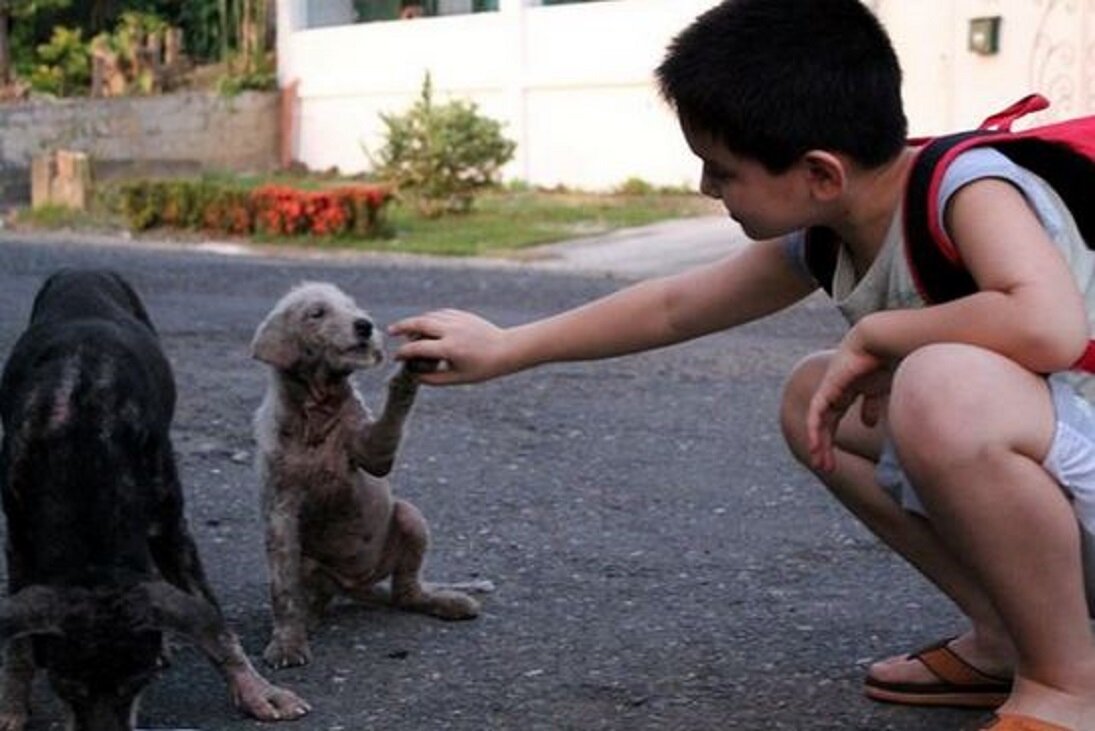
(100,562)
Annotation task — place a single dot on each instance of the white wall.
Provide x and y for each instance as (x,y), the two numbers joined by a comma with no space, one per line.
(573,84)
(1046,46)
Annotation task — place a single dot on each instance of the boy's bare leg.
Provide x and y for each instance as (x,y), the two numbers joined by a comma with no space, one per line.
(972,429)
(986,644)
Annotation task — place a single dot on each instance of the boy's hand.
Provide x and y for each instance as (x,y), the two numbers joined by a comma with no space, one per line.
(466,348)
(852,373)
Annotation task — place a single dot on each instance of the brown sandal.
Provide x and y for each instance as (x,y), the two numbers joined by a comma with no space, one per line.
(1011,722)
(960,685)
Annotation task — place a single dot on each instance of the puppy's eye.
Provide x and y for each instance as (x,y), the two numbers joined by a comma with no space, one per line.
(317,313)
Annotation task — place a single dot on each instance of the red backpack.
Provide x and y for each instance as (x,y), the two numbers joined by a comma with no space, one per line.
(1062,154)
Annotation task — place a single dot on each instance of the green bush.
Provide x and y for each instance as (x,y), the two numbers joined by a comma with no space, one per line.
(182,204)
(64,64)
(438,156)
(635,186)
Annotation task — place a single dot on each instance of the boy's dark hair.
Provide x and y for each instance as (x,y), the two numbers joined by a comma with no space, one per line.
(773,79)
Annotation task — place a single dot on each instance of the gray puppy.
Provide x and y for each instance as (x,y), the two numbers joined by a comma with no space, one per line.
(332,525)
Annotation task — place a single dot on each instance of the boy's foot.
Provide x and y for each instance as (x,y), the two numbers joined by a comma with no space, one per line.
(1012,722)
(1034,706)
(940,675)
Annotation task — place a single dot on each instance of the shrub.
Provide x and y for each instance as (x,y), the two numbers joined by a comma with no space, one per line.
(440,156)
(64,66)
(284,211)
(271,210)
(141,205)
(229,212)
(635,186)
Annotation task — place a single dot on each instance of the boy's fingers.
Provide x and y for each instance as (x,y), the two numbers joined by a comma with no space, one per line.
(818,435)
(437,378)
(425,326)
(424,348)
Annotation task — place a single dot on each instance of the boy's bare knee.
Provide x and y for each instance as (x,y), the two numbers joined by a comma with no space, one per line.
(934,392)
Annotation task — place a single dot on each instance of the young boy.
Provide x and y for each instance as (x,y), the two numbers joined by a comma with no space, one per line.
(940,427)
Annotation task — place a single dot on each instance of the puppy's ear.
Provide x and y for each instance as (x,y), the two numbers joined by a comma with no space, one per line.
(272,344)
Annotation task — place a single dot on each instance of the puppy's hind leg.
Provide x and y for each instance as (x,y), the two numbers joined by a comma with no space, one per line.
(408,543)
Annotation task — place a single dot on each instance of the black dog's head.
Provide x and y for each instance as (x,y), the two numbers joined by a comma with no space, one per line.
(99,672)
(101,647)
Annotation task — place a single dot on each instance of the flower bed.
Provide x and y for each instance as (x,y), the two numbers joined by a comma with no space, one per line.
(270,210)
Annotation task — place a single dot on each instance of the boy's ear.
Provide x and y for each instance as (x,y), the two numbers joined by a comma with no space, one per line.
(826,174)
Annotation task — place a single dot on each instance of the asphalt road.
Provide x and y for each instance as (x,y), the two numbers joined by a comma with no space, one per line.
(660,561)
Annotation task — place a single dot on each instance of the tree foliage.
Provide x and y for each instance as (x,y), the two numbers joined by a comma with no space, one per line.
(64,67)
(12,11)
(234,31)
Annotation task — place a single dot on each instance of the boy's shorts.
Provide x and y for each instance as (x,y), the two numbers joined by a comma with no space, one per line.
(1071,461)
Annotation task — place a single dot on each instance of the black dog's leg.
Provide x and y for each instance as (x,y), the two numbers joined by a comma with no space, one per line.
(19,668)
(177,558)
(17,678)
(173,549)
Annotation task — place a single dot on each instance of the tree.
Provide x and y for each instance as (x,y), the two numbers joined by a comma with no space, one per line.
(11,10)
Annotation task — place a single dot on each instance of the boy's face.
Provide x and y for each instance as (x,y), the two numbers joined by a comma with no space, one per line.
(766,205)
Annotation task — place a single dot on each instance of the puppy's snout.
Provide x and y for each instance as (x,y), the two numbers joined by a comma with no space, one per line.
(363,328)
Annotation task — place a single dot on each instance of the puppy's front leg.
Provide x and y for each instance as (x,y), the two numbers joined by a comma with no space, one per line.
(375,447)
(288,646)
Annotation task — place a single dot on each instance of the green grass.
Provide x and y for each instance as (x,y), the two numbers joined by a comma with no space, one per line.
(505,222)
(501,223)
(59,217)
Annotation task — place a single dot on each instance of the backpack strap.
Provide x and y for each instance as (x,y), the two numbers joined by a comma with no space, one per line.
(935,262)
(820,252)
(933,251)
(1062,154)
(936,266)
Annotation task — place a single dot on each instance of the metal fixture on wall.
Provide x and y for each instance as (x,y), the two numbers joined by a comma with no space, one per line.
(984,35)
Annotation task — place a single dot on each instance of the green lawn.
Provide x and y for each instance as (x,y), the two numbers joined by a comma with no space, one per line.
(506,222)
(501,222)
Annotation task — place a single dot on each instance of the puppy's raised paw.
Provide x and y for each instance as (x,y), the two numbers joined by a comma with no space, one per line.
(425,365)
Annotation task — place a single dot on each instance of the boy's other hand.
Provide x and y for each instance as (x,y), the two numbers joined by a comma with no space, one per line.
(852,373)
(466,348)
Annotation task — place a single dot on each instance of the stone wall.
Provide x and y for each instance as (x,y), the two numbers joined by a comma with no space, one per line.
(148,136)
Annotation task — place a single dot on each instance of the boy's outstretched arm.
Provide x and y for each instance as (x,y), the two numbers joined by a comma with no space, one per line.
(750,283)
